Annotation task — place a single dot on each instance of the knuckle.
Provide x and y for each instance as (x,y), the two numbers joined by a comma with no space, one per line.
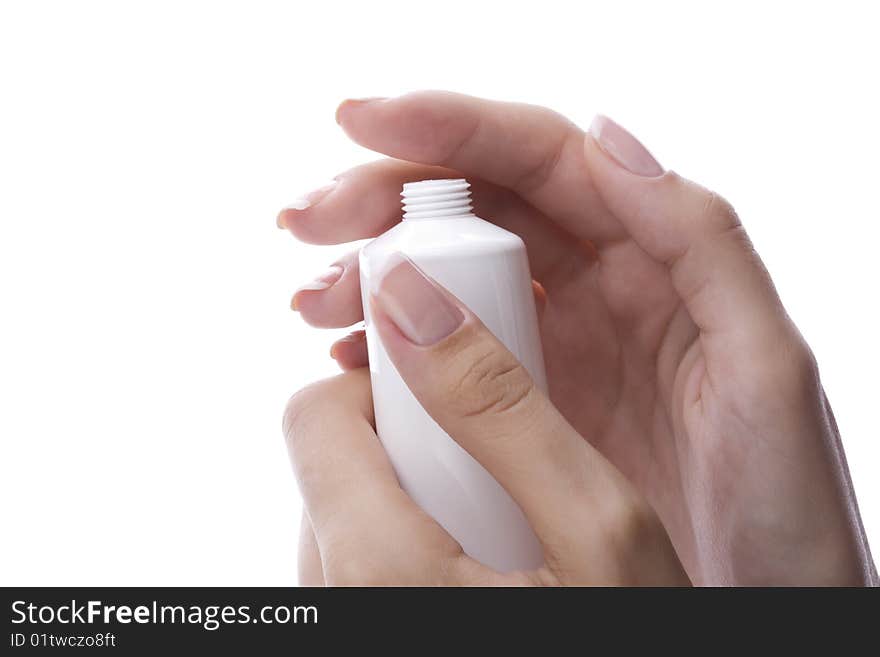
(546,154)
(298,408)
(486,381)
(343,390)
(310,404)
(792,371)
(716,212)
(703,210)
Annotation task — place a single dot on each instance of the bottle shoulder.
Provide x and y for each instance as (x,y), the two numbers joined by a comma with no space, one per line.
(465,236)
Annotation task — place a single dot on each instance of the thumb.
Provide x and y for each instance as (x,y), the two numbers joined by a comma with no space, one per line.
(696,234)
(477,391)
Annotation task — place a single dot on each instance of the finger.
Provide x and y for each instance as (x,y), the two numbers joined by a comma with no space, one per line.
(359,203)
(350,352)
(333,299)
(531,150)
(368,529)
(365,202)
(308,556)
(712,264)
(484,399)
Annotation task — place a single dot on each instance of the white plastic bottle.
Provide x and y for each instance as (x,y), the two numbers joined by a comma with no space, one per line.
(486,267)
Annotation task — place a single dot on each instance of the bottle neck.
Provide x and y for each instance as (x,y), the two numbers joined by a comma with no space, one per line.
(436,199)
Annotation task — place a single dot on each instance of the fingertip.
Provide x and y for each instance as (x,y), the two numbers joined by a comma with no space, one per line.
(622,147)
(540,298)
(349,105)
(312,307)
(324,281)
(351,351)
(305,302)
(340,110)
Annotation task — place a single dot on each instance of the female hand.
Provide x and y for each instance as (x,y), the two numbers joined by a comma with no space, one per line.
(667,347)
(593,525)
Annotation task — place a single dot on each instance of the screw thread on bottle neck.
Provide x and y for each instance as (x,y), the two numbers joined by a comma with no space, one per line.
(437,199)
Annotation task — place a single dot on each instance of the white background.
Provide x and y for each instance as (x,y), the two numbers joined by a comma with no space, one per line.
(146,345)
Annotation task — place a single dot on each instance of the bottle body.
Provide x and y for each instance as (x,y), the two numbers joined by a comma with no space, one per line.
(487,269)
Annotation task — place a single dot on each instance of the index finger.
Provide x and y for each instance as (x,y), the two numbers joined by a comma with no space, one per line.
(358,511)
(528,149)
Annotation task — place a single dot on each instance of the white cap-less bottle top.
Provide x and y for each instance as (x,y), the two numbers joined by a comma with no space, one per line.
(437,199)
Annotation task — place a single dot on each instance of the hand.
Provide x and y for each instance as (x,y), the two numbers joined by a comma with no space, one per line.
(594,526)
(667,347)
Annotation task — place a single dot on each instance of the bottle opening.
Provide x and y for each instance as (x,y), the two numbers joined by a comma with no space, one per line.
(437,199)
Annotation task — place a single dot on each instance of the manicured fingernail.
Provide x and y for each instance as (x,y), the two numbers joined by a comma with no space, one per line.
(415,304)
(352,103)
(625,149)
(309,200)
(356,336)
(322,282)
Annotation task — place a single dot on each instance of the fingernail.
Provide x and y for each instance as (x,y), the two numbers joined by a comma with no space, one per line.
(625,149)
(322,282)
(415,304)
(350,103)
(356,336)
(309,200)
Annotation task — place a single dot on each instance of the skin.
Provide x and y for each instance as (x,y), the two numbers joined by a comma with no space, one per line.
(669,355)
